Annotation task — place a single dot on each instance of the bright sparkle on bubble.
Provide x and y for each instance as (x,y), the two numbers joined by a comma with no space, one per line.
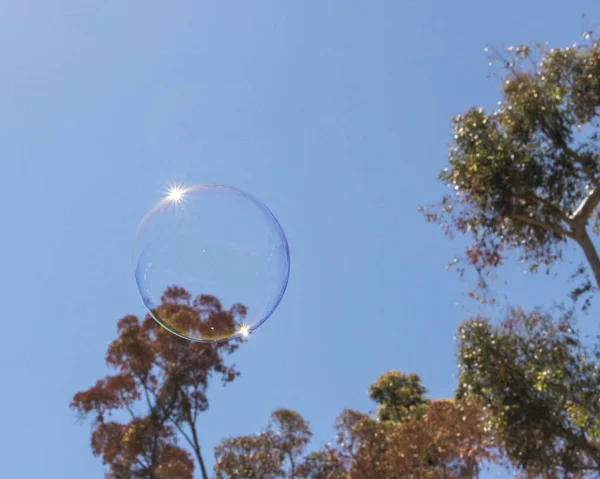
(244,331)
(175,194)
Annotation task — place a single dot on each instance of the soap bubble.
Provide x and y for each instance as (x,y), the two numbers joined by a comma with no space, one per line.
(204,247)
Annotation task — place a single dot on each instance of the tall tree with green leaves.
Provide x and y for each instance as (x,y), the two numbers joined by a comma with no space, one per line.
(525,177)
(150,405)
(541,387)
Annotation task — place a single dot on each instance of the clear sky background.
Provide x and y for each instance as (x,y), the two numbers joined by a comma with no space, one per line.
(336,114)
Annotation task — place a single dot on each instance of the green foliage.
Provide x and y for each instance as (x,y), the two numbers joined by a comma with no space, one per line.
(399,396)
(526,176)
(525,179)
(541,387)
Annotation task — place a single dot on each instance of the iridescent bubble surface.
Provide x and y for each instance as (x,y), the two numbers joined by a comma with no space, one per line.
(221,257)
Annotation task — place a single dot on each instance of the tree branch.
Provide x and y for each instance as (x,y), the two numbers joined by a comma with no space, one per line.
(583,239)
(540,224)
(197,451)
(133,416)
(145,466)
(292,465)
(588,205)
(182,431)
(543,202)
(146,389)
(559,142)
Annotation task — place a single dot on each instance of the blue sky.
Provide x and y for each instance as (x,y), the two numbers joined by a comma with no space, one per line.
(335,114)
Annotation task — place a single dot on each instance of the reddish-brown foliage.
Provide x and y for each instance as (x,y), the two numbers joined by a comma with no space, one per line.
(160,383)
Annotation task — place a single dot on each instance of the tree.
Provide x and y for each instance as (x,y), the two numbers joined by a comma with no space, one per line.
(412,436)
(325,463)
(276,452)
(160,388)
(363,442)
(423,438)
(291,435)
(526,176)
(399,397)
(248,457)
(448,441)
(541,386)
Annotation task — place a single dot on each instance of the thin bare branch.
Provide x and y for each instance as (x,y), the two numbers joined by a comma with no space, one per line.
(182,432)
(133,415)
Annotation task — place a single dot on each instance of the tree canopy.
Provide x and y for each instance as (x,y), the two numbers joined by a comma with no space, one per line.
(276,452)
(541,388)
(525,177)
(424,438)
(158,390)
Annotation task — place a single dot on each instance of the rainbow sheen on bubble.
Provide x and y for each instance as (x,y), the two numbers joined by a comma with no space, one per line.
(211,262)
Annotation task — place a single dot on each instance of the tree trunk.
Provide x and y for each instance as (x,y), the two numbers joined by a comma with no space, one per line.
(292,467)
(197,451)
(583,238)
